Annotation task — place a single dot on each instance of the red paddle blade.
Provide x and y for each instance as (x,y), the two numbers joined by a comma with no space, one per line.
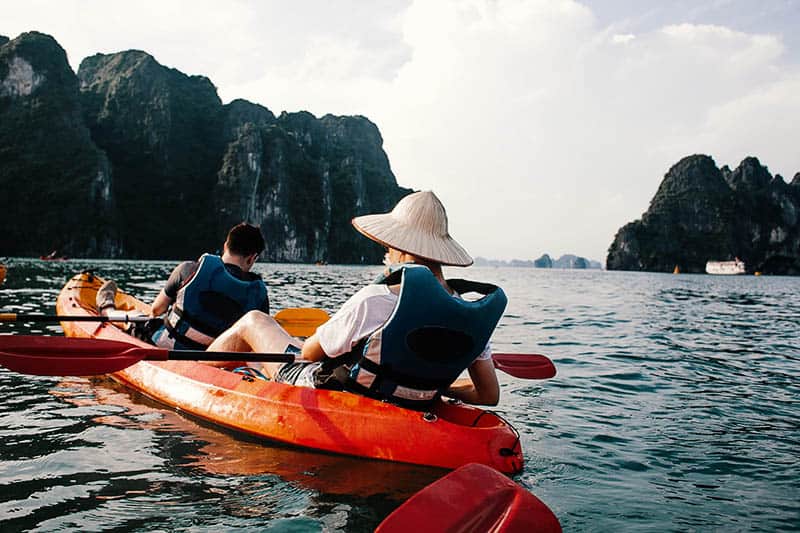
(473,498)
(525,365)
(63,356)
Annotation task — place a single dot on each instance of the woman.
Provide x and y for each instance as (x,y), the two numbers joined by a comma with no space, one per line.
(405,343)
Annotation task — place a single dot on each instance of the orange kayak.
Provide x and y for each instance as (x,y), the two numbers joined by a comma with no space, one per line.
(2,273)
(449,436)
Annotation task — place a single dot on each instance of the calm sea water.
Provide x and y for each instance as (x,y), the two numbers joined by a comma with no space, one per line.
(676,408)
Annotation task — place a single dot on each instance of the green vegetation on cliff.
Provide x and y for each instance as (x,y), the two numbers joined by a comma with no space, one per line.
(133,159)
(47,156)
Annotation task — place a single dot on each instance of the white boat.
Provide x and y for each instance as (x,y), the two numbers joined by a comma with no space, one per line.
(725,267)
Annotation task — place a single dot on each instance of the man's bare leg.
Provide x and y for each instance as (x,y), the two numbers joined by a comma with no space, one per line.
(256,332)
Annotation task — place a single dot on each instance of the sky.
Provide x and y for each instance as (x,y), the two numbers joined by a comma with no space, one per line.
(544,125)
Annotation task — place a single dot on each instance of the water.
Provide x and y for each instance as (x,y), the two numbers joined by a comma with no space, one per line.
(675,408)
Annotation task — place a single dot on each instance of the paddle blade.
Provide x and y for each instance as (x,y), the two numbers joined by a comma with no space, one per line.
(525,365)
(301,321)
(473,498)
(62,356)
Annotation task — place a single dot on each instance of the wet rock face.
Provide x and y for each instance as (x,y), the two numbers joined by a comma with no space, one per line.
(21,79)
(303,179)
(703,213)
(155,166)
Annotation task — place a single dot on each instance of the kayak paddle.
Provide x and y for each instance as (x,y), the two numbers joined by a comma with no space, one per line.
(301,321)
(524,365)
(298,322)
(116,316)
(296,317)
(70,356)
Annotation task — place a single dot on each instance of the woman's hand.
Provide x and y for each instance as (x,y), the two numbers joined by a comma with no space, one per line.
(485,389)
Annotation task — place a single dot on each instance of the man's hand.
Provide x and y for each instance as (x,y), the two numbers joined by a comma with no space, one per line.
(161,304)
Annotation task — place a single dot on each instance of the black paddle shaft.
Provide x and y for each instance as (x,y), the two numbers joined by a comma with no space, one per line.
(200,355)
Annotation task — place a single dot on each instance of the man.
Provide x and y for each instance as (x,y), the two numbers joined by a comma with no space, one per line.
(206,296)
(405,343)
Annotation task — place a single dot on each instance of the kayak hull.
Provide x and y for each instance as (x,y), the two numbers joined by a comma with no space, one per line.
(449,436)
(472,498)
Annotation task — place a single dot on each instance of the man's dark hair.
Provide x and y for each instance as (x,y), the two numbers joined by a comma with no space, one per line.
(244,239)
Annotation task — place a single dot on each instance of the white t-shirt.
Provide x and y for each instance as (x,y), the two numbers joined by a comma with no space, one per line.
(360,316)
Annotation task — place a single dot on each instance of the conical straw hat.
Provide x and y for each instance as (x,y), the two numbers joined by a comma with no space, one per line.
(418,226)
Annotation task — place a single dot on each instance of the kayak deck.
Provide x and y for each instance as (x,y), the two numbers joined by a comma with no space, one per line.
(449,436)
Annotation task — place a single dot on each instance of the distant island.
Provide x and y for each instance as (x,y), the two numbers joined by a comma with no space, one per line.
(565,261)
(128,158)
(703,213)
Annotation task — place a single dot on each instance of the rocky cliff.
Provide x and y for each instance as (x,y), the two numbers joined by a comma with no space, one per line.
(566,261)
(701,213)
(134,159)
(575,261)
(56,184)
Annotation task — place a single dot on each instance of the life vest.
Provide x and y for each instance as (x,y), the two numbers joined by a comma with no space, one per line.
(430,338)
(208,304)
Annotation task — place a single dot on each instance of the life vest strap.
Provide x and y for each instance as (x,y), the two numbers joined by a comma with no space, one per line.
(185,343)
(367,378)
(182,329)
(389,373)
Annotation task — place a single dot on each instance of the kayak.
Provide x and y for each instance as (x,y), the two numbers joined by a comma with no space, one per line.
(472,498)
(2,273)
(450,435)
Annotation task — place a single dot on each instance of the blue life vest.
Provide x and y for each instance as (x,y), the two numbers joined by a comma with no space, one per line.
(431,337)
(208,304)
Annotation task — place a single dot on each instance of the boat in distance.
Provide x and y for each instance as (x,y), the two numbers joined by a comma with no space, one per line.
(727,268)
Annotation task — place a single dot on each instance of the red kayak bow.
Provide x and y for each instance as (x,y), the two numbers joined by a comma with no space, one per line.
(472,498)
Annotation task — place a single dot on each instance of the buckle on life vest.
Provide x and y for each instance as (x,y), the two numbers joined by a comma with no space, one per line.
(365,378)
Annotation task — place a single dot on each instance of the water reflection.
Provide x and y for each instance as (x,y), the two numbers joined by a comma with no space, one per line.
(222,454)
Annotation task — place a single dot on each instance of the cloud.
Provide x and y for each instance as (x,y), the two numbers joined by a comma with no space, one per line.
(622,38)
(542,129)
(542,133)
(236,43)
